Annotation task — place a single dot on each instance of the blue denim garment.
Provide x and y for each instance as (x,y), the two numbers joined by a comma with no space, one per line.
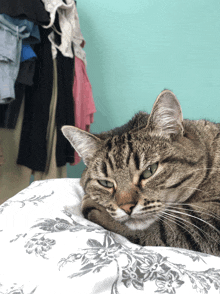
(11,36)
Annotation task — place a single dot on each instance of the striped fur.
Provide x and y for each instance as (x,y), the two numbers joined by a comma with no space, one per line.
(179,204)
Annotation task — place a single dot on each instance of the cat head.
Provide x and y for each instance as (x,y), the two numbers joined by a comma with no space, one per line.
(136,175)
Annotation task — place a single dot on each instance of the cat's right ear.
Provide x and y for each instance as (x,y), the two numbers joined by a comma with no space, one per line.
(83,142)
(166,118)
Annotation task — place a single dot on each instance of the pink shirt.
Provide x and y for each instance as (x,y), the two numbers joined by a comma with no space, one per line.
(84,106)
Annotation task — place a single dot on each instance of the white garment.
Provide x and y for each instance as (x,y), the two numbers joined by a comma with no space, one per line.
(69,26)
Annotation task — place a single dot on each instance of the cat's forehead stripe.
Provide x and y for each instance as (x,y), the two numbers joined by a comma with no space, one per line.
(114,141)
(110,163)
(136,160)
(104,169)
(120,151)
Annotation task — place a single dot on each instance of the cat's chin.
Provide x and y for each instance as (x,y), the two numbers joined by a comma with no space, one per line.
(138,224)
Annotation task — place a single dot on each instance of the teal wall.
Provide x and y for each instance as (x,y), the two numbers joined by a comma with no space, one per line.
(135,49)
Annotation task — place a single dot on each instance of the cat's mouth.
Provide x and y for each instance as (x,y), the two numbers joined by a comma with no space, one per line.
(138,216)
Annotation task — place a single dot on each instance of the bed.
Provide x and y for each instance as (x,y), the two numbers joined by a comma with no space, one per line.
(47,247)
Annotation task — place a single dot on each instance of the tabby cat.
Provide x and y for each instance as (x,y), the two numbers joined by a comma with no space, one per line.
(155,180)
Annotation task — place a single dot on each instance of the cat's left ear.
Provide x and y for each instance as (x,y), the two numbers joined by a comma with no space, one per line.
(83,142)
(166,118)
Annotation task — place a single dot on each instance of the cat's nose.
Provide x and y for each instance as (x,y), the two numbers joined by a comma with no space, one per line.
(128,208)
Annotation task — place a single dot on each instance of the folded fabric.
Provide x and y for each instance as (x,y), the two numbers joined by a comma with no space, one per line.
(47,246)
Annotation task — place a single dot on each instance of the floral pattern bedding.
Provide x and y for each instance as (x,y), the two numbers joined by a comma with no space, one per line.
(47,247)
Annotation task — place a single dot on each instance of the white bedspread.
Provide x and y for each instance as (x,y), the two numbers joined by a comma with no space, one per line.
(47,247)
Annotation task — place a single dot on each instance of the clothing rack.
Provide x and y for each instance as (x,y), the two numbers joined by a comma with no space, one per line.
(41,94)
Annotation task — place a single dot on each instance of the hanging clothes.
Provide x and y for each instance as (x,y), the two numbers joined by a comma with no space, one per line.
(32,150)
(14,177)
(32,10)
(9,112)
(69,28)
(84,106)
(12,31)
(48,102)
(65,107)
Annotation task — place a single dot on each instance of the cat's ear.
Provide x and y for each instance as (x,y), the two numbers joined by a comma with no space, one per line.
(83,142)
(166,117)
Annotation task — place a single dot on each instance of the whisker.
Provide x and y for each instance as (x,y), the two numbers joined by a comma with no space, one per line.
(160,218)
(205,168)
(202,208)
(211,200)
(205,192)
(180,218)
(190,224)
(195,218)
(194,189)
(170,218)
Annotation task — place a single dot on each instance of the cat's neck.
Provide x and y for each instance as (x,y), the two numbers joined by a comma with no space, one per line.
(209,135)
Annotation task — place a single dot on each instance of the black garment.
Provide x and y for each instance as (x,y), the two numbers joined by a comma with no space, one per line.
(32,149)
(26,72)
(9,112)
(32,10)
(65,107)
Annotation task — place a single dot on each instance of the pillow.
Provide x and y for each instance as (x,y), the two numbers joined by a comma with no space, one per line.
(47,247)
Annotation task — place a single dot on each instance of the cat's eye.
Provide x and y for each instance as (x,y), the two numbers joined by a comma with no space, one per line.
(149,171)
(106,184)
